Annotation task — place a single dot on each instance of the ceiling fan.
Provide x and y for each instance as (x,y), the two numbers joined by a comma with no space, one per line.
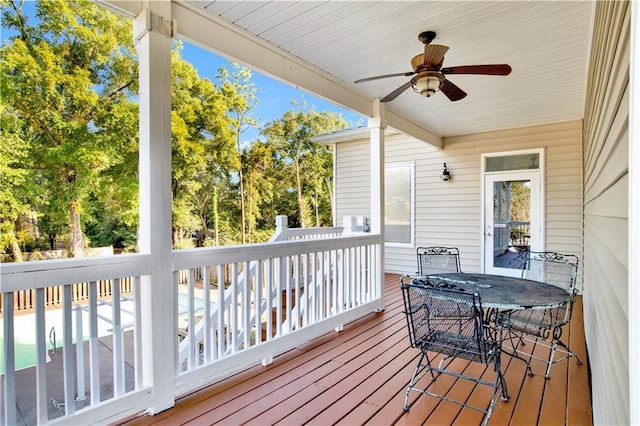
(429,76)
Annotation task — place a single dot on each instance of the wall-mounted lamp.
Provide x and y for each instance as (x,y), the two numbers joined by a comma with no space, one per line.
(446,174)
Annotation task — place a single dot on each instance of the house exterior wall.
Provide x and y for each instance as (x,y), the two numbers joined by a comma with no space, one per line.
(606,220)
(449,213)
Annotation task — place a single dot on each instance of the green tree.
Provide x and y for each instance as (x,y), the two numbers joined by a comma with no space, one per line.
(14,179)
(241,97)
(202,146)
(69,75)
(261,182)
(291,136)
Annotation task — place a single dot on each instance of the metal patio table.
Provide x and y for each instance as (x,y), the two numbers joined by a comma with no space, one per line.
(503,293)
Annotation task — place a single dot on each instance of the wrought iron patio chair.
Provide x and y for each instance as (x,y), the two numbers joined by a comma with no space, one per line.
(545,325)
(450,322)
(437,260)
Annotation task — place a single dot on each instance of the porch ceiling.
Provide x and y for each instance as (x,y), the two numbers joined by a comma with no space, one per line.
(337,42)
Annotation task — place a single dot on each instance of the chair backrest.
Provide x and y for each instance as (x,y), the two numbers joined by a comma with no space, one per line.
(448,322)
(437,260)
(552,268)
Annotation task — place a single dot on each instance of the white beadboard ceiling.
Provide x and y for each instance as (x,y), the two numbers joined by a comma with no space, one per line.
(546,44)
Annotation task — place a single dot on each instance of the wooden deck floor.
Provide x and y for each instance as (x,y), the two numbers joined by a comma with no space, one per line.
(359,376)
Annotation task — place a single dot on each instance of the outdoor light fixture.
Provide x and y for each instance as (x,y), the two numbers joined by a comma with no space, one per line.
(446,175)
(427,83)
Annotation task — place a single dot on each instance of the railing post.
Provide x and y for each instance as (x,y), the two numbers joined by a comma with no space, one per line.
(349,224)
(281,228)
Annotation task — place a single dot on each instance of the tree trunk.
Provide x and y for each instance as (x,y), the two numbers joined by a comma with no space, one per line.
(15,251)
(76,240)
(330,190)
(250,219)
(243,227)
(317,209)
(215,217)
(303,222)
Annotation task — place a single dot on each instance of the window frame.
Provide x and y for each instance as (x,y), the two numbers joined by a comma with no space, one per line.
(410,165)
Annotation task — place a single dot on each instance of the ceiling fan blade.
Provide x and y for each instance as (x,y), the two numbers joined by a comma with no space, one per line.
(451,91)
(391,96)
(434,54)
(495,69)
(378,77)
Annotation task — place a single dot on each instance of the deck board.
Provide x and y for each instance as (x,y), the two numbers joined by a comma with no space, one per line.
(359,376)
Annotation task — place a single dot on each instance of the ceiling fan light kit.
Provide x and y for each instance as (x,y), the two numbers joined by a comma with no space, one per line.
(429,76)
(427,83)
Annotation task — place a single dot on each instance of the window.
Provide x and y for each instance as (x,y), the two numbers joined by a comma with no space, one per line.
(525,161)
(399,204)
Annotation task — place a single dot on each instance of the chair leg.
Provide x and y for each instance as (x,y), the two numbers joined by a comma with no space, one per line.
(500,377)
(412,382)
(554,347)
(515,354)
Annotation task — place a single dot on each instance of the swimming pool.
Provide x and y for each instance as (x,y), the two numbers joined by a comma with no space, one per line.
(25,327)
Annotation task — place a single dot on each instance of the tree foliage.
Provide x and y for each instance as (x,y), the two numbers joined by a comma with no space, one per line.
(69,147)
(309,163)
(67,76)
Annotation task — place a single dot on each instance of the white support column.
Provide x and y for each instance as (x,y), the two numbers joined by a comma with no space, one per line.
(377,126)
(152,35)
(634,217)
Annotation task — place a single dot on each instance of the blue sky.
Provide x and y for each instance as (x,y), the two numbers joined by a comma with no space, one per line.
(274,97)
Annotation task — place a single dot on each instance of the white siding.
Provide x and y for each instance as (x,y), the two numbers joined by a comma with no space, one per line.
(449,213)
(606,214)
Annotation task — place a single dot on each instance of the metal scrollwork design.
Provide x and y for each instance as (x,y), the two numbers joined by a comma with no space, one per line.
(438,284)
(439,250)
(557,333)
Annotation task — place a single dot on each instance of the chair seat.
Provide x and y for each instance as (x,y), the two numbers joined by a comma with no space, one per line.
(537,322)
(453,344)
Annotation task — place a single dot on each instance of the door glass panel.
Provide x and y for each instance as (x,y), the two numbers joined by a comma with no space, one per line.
(511,223)
(529,161)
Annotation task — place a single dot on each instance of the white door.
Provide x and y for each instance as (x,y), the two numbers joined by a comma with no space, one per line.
(513,208)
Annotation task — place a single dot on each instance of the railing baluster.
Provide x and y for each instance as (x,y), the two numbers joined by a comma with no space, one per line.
(358,269)
(79,355)
(207,336)
(269,297)
(298,295)
(94,357)
(118,342)
(286,276)
(258,292)
(42,414)
(137,327)
(323,285)
(305,280)
(67,351)
(191,360)
(9,388)
(220,326)
(233,308)
(246,305)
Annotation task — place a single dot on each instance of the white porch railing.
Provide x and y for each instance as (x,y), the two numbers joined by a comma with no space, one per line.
(239,305)
(51,397)
(268,298)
